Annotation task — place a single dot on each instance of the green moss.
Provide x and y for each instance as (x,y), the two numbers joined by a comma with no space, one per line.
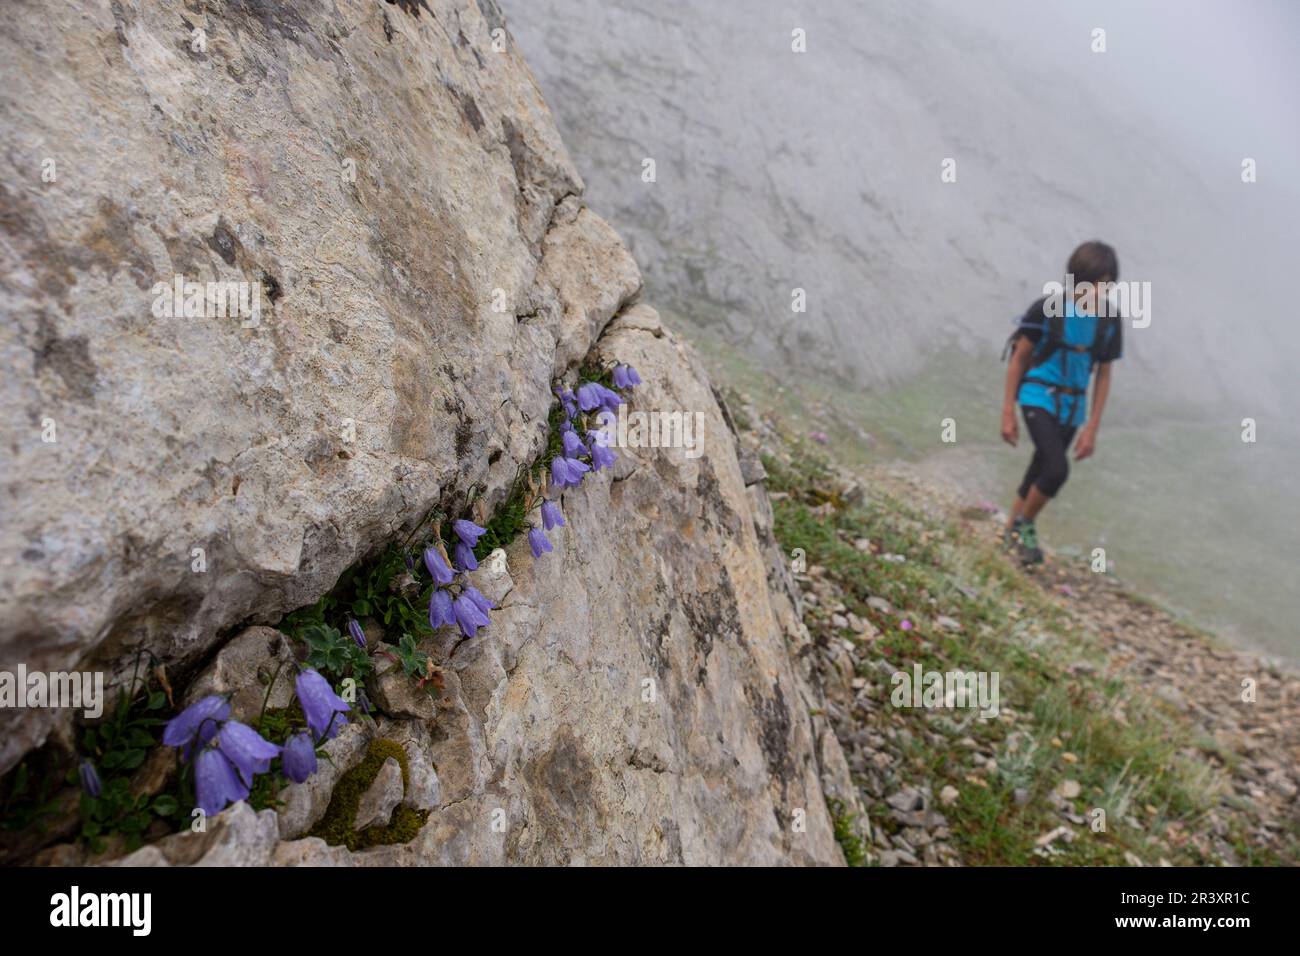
(855,854)
(337,827)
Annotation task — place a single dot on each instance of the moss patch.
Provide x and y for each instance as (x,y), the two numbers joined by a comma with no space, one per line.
(338,826)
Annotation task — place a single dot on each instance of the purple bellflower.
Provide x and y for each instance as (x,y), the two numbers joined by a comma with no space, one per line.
(246,750)
(320,705)
(568,400)
(468,531)
(573,446)
(437,566)
(601,456)
(481,600)
(568,472)
(440,609)
(299,758)
(537,542)
(589,396)
(358,635)
(468,616)
(552,517)
(625,376)
(201,719)
(215,782)
(610,399)
(90,779)
(464,556)
(593,395)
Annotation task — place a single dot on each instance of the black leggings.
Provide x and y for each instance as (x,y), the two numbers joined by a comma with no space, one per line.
(1049,467)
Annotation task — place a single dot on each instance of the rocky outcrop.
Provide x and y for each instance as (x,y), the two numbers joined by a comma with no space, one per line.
(390,187)
(389,180)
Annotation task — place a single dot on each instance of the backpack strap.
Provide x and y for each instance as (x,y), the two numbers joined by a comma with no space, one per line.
(1106,330)
(1034,318)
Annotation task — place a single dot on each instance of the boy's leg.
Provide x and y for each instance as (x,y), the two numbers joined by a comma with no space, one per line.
(1017,509)
(1035,503)
(1051,441)
(1031,475)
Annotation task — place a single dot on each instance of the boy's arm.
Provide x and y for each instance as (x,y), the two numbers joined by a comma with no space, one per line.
(1015,372)
(1087,442)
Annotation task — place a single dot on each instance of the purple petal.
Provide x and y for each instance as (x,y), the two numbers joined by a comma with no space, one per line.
(299,758)
(464,556)
(538,542)
(552,517)
(440,609)
(216,783)
(468,531)
(246,750)
(438,568)
(320,704)
(201,717)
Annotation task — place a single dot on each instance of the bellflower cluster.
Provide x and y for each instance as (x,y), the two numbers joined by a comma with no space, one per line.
(227,754)
(454,602)
(580,452)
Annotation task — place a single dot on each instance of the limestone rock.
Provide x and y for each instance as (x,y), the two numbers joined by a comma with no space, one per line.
(305,803)
(257,666)
(394,693)
(381,797)
(378,178)
(238,836)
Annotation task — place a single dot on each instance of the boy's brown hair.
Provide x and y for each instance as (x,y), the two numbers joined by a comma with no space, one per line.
(1093,262)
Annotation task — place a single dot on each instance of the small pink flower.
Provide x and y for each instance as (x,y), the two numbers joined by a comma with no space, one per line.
(819,437)
(906,624)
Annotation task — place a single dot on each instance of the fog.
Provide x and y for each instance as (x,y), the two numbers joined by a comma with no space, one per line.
(820,171)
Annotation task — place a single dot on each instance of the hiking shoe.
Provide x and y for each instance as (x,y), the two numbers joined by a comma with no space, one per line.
(1027,537)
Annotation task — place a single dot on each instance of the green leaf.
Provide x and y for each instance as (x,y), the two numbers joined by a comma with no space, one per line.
(156,700)
(165,805)
(133,759)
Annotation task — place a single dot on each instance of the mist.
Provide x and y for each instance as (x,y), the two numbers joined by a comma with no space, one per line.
(820,171)
(777,171)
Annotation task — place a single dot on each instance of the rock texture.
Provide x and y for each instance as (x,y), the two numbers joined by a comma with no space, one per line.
(385,178)
(635,699)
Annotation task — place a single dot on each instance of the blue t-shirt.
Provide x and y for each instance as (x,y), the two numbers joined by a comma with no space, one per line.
(1067,367)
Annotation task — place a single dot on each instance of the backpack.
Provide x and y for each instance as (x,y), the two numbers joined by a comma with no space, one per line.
(1053,341)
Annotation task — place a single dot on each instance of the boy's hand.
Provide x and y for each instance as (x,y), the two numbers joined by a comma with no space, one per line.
(1086,444)
(1010,430)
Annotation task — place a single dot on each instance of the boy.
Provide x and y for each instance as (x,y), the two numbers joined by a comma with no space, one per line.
(1059,342)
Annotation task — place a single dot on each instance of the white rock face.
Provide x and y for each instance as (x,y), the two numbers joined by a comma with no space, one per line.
(634,699)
